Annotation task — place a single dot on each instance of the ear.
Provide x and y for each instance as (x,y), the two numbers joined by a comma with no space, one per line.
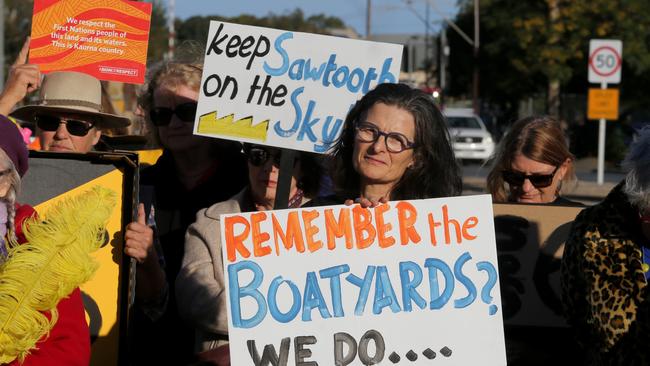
(97,134)
(564,168)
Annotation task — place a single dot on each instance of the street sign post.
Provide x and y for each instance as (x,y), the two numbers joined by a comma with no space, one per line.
(605,62)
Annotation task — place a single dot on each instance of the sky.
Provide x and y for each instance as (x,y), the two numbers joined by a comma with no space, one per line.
(387,16)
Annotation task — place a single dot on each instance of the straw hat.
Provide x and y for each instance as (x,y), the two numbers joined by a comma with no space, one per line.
(71,92)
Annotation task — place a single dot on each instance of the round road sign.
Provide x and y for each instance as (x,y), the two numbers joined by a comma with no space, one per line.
(605,61)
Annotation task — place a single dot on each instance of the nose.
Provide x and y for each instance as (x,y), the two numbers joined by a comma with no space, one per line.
(61,132)
(527,186)
(379,144)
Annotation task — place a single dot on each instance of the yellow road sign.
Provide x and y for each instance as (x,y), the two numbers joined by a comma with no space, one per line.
(602,104)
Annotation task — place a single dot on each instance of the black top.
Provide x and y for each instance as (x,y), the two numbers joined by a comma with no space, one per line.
(169,341)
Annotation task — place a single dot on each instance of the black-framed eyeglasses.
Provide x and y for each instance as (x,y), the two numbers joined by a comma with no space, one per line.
(74,127)
(395,141)
(161,116)
(515,178)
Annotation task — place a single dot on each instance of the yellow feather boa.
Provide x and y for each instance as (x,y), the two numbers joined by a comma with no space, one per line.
(54,261)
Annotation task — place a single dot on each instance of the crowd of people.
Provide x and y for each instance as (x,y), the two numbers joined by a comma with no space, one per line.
(394,145)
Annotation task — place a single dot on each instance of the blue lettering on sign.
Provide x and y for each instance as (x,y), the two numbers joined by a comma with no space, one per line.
(312,297)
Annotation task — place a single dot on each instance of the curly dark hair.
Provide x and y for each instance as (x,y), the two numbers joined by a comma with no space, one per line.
(434,173)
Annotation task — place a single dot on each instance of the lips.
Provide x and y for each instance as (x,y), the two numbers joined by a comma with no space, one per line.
(59,148)
(373,161)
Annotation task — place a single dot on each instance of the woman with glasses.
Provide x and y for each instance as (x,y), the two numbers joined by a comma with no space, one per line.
(394,146)
(532,163)
(193,172)
(200,283)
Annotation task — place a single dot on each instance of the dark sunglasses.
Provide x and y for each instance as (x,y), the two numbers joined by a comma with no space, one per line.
(161,116)
(258,156)
(538,180)
(74,127)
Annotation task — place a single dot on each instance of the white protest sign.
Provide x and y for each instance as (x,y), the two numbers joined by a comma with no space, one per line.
(408,281)
(286,89)
(605,61)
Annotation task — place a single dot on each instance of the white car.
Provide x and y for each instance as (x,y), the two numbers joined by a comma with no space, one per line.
(469,136)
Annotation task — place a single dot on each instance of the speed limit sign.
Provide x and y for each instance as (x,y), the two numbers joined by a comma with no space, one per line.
(605,61)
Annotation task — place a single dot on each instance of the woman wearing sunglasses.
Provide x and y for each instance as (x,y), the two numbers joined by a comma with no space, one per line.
(193,172)
(394,146)
(200,283)
(532,164)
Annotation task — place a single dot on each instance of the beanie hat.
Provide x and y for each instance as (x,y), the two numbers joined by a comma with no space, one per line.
(11,141)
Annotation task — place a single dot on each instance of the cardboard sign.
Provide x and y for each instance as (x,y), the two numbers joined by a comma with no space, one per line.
(530,240)
(344,285)
(53,177)
(105,38)
(286,89)
(602,104)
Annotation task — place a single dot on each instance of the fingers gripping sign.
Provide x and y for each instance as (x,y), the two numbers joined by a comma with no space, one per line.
(23,79)
(139,239)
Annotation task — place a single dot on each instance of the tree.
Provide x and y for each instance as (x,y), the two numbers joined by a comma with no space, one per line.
(196,28)
(530,47)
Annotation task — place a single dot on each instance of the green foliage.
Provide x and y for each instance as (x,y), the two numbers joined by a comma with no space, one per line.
(196,28)
(158,33)
(525,44)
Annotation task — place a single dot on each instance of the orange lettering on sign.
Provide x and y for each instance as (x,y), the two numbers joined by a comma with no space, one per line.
(446,221)
(407,216)
(382,228)
(235,243)
(310,230)
(293,234)
(468,224)
(338,229)
(362,220)
(433,224)
(259,237)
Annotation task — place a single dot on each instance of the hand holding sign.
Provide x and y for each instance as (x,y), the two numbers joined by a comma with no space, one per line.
(23,79)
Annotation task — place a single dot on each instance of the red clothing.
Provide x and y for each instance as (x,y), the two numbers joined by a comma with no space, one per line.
(69,341)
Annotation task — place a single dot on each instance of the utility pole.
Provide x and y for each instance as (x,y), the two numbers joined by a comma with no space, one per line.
(368,9)
(171,14)
(475,95)
(427,54)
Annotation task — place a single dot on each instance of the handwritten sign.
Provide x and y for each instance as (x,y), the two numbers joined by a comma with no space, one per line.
(105,38)
(286,89)
(405,282)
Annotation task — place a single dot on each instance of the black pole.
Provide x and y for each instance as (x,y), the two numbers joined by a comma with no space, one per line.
(287,157)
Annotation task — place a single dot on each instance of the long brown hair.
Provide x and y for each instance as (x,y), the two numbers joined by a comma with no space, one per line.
(538,138)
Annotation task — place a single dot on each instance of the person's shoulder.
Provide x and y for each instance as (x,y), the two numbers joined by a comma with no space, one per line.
(232,205)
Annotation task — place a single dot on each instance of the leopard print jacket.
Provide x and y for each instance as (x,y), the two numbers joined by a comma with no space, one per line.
(604,289)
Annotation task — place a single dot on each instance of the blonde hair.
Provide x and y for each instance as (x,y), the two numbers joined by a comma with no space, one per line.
(538,138)
(184,70)
(12,193)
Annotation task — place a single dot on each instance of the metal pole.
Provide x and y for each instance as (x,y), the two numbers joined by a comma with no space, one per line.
(476,60)
(368,8)
(601,146)
(172,31)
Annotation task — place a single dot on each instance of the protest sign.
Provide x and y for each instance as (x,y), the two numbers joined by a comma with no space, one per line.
(286,89)
(105,38)
(53,177)
(530,241)
(344,285)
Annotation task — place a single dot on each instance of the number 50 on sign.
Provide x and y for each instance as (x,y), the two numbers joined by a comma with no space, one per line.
(605,60)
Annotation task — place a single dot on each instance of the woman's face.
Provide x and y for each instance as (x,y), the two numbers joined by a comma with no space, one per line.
(177,134)
(545,178)
(372,160)
(263,172)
